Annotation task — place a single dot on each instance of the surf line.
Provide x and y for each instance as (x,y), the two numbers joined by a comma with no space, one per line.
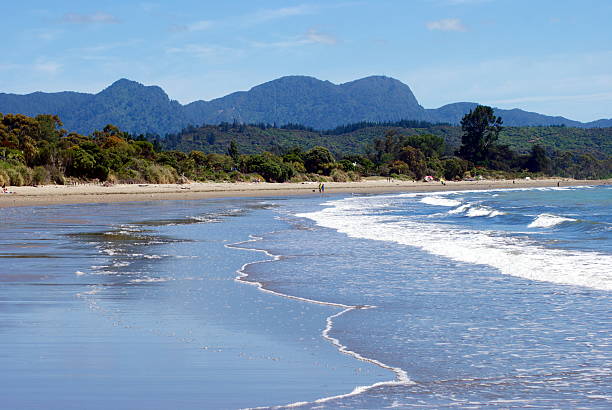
(402,378)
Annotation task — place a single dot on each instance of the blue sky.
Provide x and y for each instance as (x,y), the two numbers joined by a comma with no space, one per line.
(552,57)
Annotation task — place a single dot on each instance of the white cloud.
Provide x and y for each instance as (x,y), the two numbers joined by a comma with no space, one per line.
(48,35)
(110,46)
(95,18)
(210,53)
(149,7)
(273,14)
(446,25)
(48,67)
(259,17)
(199,25)
(312,36)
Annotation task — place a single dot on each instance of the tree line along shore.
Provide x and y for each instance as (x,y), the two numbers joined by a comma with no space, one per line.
(37,150)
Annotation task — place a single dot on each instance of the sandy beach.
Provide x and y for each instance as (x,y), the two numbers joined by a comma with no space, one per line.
(94,193)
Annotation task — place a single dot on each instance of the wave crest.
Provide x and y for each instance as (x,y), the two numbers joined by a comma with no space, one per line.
(548,220)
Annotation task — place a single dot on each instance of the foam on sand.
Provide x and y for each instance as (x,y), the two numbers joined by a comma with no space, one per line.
(400,374)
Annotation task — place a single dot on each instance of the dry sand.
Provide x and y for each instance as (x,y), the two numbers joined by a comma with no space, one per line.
(91,193)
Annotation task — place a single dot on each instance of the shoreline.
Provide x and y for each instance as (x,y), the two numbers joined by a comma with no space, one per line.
(401,377)
(92,193)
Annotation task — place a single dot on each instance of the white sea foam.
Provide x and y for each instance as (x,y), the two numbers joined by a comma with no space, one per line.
(79,273)
(548,220)
(401,375)
(93,291)
(512,256)
(152,256)
(459,209)
(149,280)
(208,219)
(483,211)
(471,211)
(436,200)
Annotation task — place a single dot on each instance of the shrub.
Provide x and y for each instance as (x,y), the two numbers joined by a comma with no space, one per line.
(40,176)
(160,174)
(299,178)
(454,168)
(4,179)
(19,175)
(57,177)
(338,175)
(254,178)
(112,178)
(354,176)
(236,176)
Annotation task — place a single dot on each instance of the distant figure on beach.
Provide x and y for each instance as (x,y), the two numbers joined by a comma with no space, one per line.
(558,182)
(320,186)
(323,188)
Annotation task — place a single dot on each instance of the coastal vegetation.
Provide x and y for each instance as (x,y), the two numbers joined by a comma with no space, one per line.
(37,150)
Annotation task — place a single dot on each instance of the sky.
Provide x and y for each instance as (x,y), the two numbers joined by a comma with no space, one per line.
(551,57)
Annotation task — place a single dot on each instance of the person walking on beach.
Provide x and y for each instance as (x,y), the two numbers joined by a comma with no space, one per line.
(323,188)
(320,187)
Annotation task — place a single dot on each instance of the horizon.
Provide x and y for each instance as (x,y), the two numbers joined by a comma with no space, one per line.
(546,58)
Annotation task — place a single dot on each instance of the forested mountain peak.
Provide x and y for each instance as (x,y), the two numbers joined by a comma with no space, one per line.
(125,88)
(295,99)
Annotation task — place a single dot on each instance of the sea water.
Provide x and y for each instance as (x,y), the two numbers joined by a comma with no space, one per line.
(481,299)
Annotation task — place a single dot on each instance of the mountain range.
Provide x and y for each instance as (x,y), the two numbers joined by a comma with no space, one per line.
(137,109)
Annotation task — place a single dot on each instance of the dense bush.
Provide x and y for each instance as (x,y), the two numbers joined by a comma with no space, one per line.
(36,150)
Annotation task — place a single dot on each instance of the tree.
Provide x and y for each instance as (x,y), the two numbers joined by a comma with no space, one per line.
(430,145)
(538,161)
(415,161)
(480,132)
(318,160)
(233,151)
(269,166)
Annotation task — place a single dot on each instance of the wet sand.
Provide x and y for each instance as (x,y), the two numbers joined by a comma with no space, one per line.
(93,193)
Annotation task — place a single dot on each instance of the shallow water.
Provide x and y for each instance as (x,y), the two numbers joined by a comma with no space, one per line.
(470,299)
(130,306)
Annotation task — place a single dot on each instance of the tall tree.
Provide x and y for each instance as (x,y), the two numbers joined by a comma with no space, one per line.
(233,150)
(538,161)
(480,132)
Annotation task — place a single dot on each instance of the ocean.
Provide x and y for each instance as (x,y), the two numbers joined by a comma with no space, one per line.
(468,299)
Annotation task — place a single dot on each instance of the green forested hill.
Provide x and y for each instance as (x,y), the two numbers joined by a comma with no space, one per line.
(597,141)
(255,139)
